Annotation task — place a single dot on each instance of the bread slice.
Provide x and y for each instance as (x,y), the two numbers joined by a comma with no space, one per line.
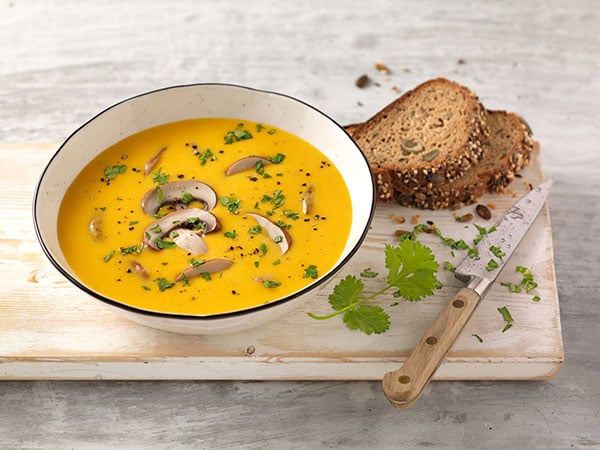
(509,149)
(426,138)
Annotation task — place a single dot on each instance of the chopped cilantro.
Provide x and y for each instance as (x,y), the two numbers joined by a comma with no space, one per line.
(477,337)
(205,156)
(160,178)
(107,257)
(449,266)
(270,284)
(411,271)
(290,214)
(311,272)
(186,197)
(131,249)
(492,265)
(196,262)
(111,172)
(497,252)
(230,234)
(506,316)
(368,273)
(277,159)
(255,229)
(236,135)
(162,244)
(232,203)
(163,284)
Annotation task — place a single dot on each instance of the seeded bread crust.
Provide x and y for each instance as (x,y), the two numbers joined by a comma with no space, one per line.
(426,138)
(509,149)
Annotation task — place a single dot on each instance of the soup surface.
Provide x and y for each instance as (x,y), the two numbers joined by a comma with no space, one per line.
(205,216)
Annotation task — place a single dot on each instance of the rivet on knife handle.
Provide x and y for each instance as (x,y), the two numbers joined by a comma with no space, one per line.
(402,387)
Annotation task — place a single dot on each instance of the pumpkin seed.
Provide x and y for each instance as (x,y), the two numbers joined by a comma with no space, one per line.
(430,155)
(410,146)
(484,212)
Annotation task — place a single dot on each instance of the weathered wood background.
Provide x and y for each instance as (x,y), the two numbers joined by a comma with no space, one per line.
(62,62)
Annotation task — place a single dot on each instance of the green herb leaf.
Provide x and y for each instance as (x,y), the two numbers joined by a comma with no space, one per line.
(477,337)
(347,292)
(311,272)
(497,252)
(196,262)
(186,197)
(160,178)
(162,244)
(163,284)
(270,284)
(367,318)
(412,268)
(230,234)
(506,316)
(255,229)
(492,265)
(278,158)
(205,156)
(449,266)
(109,256)
(232,203)
(368,273)
(111,172)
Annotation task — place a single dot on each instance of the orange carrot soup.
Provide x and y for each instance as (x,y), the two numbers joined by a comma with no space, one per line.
(205,216)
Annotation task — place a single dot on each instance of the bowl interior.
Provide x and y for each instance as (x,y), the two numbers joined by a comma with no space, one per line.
(197,101)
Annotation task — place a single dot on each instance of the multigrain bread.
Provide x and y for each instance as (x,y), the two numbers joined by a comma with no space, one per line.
(507,148)
(428,137)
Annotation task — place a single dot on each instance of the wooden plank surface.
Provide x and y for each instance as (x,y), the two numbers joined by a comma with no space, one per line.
(50,330)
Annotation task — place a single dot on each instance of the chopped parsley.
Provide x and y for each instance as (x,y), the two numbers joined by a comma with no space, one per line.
(186,197)
(492,265)
(196,262)
(497,252)
(131,249)
(277,199)
(162,244)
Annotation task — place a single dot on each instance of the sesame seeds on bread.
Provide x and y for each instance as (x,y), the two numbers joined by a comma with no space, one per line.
(501,146)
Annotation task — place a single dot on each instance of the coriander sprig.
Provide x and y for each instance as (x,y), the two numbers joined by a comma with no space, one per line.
(411,271)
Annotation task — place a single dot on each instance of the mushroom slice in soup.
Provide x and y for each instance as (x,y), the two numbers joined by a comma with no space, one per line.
(179,193)
(246,163)
(179,219)
(189,240)
(210,266)
(153,160)
(279,235)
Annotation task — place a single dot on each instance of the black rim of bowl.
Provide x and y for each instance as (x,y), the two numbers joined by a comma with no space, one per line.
(192,317)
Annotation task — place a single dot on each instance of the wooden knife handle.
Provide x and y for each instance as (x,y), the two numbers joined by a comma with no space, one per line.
(402,387)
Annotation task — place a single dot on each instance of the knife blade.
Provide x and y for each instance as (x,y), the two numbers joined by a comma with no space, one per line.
(402,387)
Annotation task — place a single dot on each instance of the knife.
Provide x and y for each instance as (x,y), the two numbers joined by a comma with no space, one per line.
(402,387)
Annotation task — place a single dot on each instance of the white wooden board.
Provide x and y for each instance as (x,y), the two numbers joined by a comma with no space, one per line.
(50,330)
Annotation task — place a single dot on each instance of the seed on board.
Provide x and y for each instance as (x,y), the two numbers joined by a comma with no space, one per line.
(464,218)
(362,81)
(483,212)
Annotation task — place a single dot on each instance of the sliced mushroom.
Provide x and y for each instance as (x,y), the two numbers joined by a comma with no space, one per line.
(210,266)
(95,227)
(189,240)
(279,235)
(139,269)
(307,200)
(246,163)
(173,192)
(152,161)
(177,219)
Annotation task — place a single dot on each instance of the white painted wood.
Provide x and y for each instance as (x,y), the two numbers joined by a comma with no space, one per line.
(51,330)
(63,61)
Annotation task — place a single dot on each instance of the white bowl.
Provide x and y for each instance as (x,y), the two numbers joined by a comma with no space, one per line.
(198,101)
